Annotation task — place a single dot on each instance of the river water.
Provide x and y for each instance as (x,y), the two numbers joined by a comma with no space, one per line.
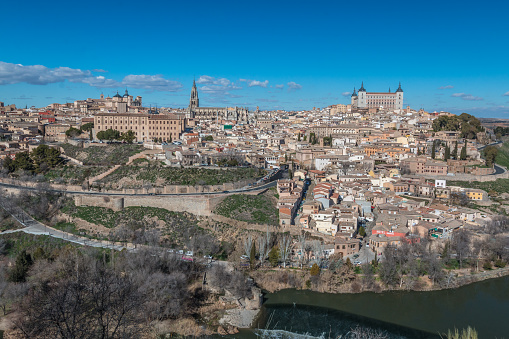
(305,314)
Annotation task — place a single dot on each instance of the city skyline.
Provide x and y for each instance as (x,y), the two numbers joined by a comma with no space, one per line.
(282,56)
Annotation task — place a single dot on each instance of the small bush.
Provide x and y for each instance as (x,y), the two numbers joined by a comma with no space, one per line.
(500,263)
(487,265)
(315,270)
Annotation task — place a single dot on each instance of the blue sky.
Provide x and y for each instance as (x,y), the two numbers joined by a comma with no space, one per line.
(448,55)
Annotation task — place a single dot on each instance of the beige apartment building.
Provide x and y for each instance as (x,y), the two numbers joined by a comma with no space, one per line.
(146,127)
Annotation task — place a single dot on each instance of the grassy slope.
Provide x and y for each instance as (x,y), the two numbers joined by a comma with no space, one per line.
(175,223)
(503,155)
(114,154)
(257,209)
(182,176)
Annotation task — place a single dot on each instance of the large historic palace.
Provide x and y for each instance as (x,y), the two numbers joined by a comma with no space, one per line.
(214,113)
(382,100)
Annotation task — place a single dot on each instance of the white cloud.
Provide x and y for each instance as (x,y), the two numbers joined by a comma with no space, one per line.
(38,74)
(101,82)
(468,97)
(280,86)
(293,86)
(506,94)
(151,82)
(206,80)
(346,94)
(263,84)
(42,75)
(446,87)
(217,87)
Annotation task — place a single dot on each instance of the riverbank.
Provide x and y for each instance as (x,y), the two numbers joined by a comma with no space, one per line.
(349,282)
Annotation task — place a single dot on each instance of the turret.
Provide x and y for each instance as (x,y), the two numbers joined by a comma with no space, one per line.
(399,98)
(362,100)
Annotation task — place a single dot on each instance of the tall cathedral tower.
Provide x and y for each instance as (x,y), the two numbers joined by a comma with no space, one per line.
(194,102)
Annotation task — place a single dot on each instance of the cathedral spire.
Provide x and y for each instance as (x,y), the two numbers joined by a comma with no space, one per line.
(362,89)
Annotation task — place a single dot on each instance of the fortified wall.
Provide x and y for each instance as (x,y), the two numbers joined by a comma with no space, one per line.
(198,205)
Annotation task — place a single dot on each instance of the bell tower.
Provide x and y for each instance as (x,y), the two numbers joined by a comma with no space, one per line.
(194,102)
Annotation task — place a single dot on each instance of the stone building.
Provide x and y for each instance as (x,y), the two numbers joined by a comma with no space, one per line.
(380,100)
(194,110)
(146,127)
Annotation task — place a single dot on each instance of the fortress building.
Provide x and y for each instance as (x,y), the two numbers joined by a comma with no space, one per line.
(384,100)
(194,110)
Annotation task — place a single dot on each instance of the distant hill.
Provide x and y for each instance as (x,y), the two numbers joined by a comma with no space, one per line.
(491,123)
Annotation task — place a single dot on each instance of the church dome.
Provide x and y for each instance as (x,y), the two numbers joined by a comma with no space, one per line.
(117,95)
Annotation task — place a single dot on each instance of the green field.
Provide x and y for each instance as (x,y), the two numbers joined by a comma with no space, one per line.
(154,173)
(108,155)
(257,209)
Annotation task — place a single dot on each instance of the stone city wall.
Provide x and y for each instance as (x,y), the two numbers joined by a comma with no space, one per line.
(198,205)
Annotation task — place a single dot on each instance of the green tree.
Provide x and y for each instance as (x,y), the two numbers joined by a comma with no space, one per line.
(23,162)
(252,255)
(447,154)
(45,157)
(455,152)
(87,127)
(490,154)
(433,150)
(19,272)
(8,164)
(274,256)
(362,231)
(298,137)
(463,154)
(109,134)
(305,137)
(171,139)
(315,270)
(128,136)
(208,138)
(419,151)
(72,132)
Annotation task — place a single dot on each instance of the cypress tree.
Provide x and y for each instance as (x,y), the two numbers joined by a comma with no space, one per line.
(455,152)
(252,255)
(433,151)
(447,154)
(463,155)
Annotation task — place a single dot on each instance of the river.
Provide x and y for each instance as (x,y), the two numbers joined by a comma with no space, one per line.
(306,314)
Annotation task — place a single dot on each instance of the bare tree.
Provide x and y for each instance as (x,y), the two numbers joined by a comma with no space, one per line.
(264,246)
(285,244)
(461,245)
(318,251)
(248,243)
(302,248)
